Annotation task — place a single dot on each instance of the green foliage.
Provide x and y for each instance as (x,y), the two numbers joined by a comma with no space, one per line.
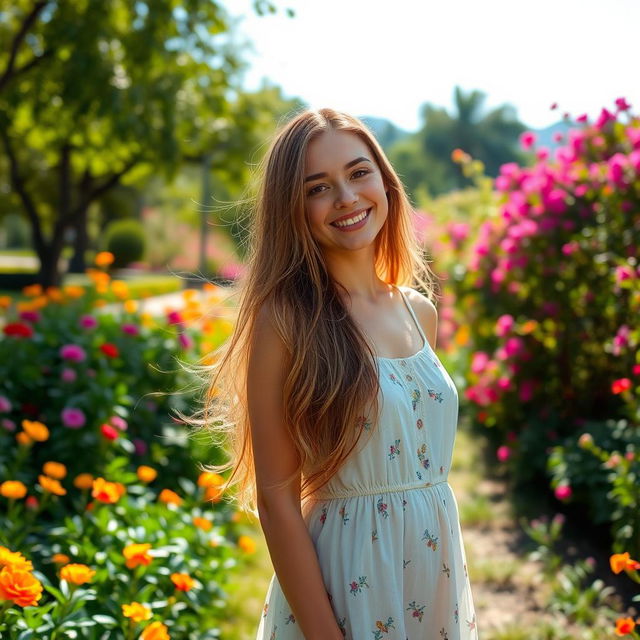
(126,240)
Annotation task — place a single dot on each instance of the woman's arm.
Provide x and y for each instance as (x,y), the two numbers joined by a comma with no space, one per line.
(290,546)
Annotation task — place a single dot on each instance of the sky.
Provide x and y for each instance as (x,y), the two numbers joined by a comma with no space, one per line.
(387,58)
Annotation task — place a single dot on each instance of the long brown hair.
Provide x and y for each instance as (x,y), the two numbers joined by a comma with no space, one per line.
(332,375)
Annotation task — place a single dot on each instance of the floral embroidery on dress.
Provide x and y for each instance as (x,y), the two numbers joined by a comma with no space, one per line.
(382,508)
(446,570)
(323,516)
(363,423)
(408,377)
(405,563)
(394,450)
(444,634)
(465,570)
(374,535)
(395,380)
(419,423)
(472,622)
(383,627)
(435,395)
(344,514)
(290,618)
(415,398)
(456,615)
(418,612)
(273,633)
(422,456)
(356,585)
(404,504)
(265,609)
(432,541)
(342,626)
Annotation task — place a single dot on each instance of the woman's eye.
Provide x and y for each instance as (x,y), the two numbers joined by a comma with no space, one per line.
(317,189)
(360,172)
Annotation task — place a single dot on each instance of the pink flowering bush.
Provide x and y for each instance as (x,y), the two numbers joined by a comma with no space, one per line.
(550,289)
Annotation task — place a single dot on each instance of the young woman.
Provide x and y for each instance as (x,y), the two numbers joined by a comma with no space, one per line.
(340,417)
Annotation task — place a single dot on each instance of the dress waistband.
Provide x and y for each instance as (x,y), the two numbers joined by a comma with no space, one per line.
(334,495)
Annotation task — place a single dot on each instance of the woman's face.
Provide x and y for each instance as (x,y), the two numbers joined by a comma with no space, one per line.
(345,199)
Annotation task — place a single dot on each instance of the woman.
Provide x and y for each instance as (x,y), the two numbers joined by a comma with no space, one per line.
(339,415)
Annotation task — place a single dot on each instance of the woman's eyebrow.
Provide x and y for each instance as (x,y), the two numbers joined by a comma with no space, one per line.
(315,176)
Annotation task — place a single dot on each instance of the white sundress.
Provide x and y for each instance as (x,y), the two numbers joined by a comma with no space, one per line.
(386,527)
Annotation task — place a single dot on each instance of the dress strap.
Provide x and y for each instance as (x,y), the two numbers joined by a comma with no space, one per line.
(413,315)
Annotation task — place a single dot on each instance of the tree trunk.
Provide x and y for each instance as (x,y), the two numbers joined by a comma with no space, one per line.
(80,245)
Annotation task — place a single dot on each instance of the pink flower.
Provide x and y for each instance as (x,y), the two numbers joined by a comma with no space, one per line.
(604,117)
(504,324)
(623,272)
(68,375)
(118,422)
(479,362)
(557,136)
(5,405)
(109,432)
(174,317)
(620,385)
(613,461)
(636,370)
(88,322)
(582,118)
(30,316)
(503,453)
(527,139)
(73,352)
(585,440)
(140,446)
(622,104)
(130,329)
(563,492)
(554,106)
(185,341)
(73,418)
(527,387)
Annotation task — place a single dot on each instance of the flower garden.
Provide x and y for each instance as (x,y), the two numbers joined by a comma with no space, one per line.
(109,530)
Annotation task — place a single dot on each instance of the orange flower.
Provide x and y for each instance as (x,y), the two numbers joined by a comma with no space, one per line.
(19,586)
(136,611)
(55,470)
(13,489)
(76,573)
(120,289)
(23,438)
(621,561)
(624,626)
(213,494)
(60,558)
(209,479)
(14,559)
(83,481)
(155,631)
(137,554)
(146,474)
(104,491)
(73,291)
(169,497)
(35,430)
(130,306)
(202,523)
(183,581)
(54,293)
(32,290)
(247,544)
(104,258)
(51,485)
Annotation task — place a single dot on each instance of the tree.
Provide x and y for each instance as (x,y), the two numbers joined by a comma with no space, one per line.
(94,94)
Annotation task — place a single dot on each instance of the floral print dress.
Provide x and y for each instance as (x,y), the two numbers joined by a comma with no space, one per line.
(386,527)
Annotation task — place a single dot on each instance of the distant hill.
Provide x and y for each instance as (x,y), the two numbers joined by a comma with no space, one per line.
(544,137)
(384,130)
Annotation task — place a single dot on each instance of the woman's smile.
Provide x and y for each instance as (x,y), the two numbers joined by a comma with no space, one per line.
(351,222)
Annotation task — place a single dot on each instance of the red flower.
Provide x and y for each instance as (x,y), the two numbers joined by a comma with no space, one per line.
(618,386)
(109,349)
(18,329)
(109,432)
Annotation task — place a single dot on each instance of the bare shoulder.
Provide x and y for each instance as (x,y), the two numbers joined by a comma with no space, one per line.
(426,312)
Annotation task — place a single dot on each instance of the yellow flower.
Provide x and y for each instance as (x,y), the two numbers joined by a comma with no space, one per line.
(120,289)
(104,491)
(60,558)
(183,581)
(169,497)
(202,523)
(35,430)
(146,474)
(51,485)
(104,258)
(247,544)
(130,306)
(15,559)
(55,470)
(32,290)
(209,479)
(83,481)
(621,561)
(155,631)
(13,489)
(136,611)
(77,573)
(137,554)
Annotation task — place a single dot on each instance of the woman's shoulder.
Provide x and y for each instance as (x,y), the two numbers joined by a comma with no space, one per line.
(426,312)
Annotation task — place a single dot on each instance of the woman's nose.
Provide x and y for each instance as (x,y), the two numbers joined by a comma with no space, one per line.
(346,196)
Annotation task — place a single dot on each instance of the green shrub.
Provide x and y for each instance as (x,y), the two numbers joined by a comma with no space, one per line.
(126,240)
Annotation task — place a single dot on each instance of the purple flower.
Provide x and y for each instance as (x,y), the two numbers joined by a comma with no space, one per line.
(185,341)
(7,424)
(140,446)
(5,405)
(68,375)
(73,418)
(73,352)
(29,316)
(130,329)
(88,322)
